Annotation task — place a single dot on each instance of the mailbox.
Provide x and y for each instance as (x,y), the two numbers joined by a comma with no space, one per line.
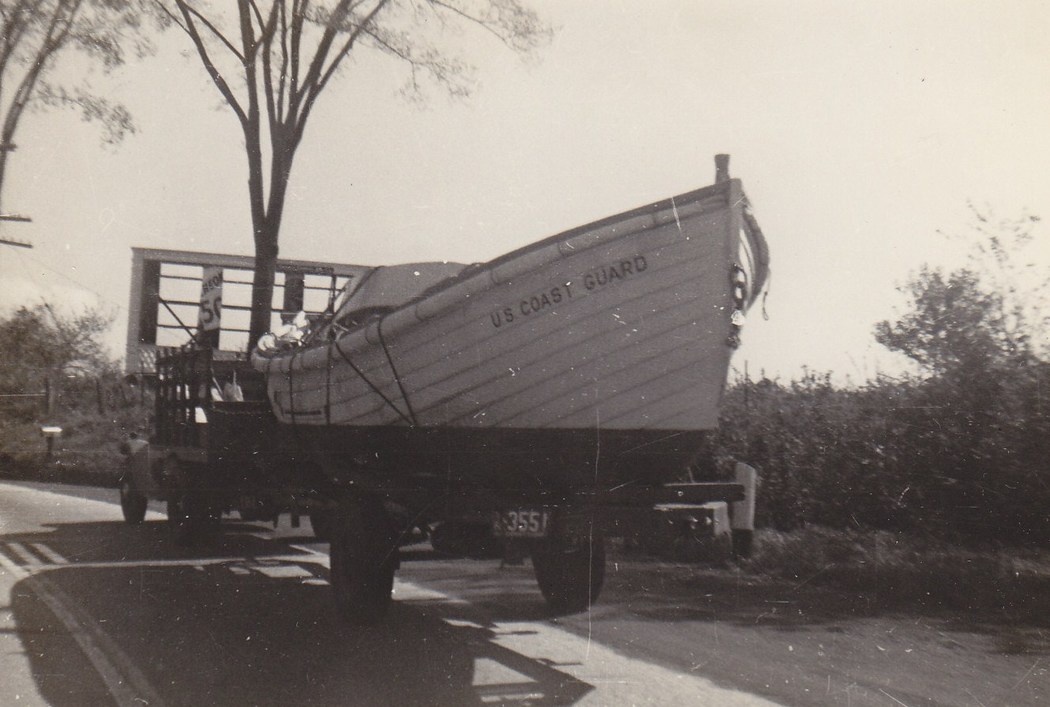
(49,433)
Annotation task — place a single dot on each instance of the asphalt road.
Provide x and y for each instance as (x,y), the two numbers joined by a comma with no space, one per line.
(95,612)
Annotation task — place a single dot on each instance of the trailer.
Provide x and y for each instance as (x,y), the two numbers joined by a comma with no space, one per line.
(230,437)
(210,448)
(209,457)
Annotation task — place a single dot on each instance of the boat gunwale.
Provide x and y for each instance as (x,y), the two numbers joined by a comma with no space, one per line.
(369,330)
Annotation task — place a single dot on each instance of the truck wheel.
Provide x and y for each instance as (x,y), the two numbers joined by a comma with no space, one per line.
(132,503)
(179,520)
(363,556)
(185,518)
(190,517)
(570,571)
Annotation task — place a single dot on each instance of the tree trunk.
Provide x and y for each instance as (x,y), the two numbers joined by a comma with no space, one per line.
(3,171)
(262,283)
(267,231)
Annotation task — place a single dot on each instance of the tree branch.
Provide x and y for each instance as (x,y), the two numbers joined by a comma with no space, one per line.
(283,79)
(323,46)
(202,51)
(251,126)
(266,42)
(114,116)
(338,58)
(443,70)
(471,18)
(298,18)
(175,19)
(521,28)
(214,30)
(55,36)
(14,27)
(258,14)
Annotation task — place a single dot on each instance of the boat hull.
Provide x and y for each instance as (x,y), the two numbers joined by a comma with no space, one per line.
(443,461)
(594,358)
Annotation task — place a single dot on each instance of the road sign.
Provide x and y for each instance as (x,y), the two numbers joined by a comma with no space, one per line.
(210,313)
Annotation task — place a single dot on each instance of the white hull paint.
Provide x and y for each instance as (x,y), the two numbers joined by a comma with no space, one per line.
(625,324)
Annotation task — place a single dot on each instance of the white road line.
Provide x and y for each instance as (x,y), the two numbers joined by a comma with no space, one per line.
(125,682)
(282,571)
(309,550)
(50,554)
(195,562)
(411,592)
(27,558)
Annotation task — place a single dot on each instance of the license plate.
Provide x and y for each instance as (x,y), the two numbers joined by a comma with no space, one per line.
(521,523)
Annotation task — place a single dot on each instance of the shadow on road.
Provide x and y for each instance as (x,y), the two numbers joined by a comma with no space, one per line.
(654,592)
(249,621)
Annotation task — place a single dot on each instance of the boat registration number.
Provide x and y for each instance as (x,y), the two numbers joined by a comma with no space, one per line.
(521,523)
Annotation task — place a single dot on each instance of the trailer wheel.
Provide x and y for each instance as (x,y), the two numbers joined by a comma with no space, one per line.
(185,517)
(570,570)
(363,556)
(132,503)
(190,517)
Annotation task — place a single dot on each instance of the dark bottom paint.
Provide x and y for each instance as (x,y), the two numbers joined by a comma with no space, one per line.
(526,459)
(481,468)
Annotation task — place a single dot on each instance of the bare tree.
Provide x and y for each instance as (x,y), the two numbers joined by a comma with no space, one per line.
(33,33)
(271,61)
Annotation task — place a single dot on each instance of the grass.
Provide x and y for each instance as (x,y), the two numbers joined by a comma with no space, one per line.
(87,452)
(903,570)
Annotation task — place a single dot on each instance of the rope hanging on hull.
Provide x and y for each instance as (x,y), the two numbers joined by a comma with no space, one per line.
(375,389)
(397,378)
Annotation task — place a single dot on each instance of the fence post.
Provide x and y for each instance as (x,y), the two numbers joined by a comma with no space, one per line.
(48,402)
(743,515)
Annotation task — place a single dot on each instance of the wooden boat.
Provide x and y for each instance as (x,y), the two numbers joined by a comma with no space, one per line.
(591,359)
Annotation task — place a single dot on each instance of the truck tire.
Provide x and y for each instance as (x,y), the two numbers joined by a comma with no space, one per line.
(570,571)
(132,503)
(363,555)
(190,517)
(179,521)
(185,517)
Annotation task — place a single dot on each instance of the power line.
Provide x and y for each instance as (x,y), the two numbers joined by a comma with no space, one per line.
(11,147)
(78,284)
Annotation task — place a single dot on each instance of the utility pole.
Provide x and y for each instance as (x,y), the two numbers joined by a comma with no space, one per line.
(17,244)
(11,147)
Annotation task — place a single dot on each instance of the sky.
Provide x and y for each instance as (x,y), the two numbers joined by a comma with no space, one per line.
(860,131)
